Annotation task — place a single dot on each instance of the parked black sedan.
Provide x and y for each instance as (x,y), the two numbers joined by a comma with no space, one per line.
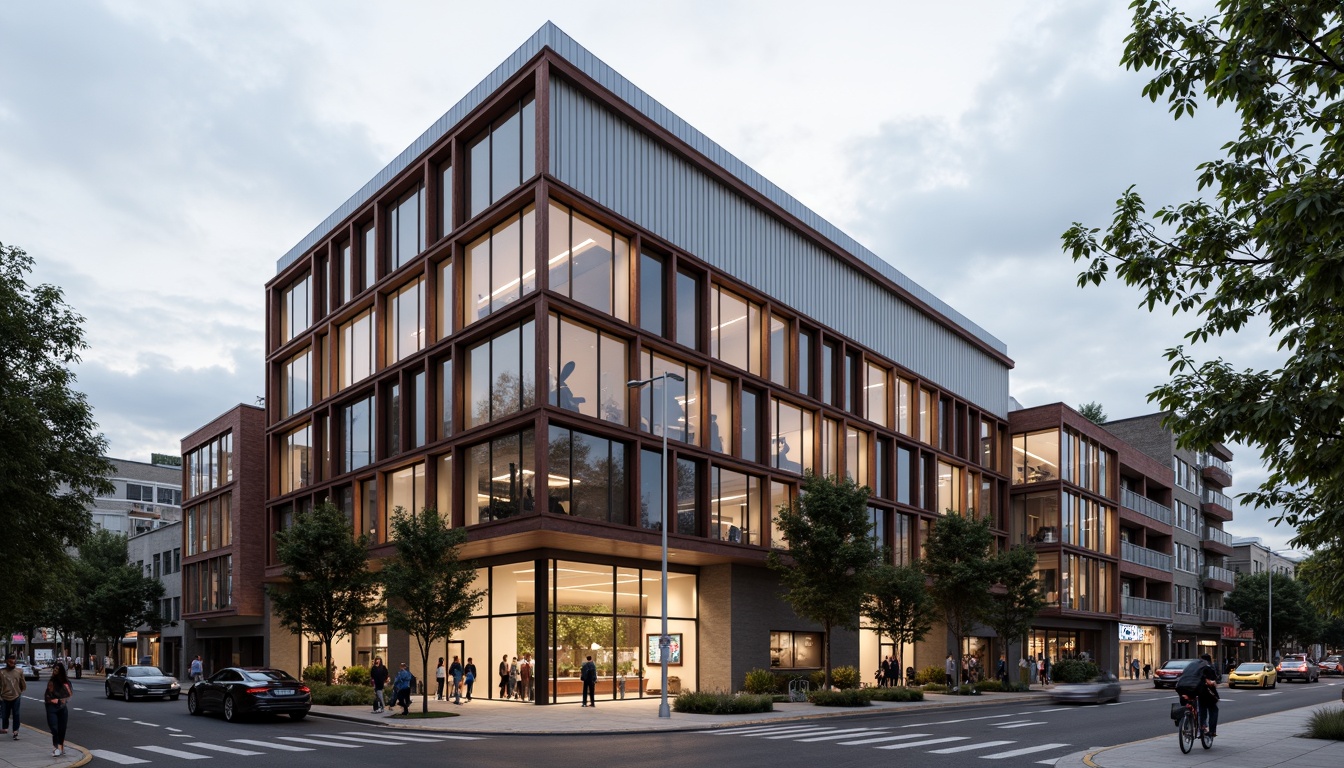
(237,691)
(141,682)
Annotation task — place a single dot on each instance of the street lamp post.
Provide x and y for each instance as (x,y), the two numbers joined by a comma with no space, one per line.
(664,641)
(1269,640)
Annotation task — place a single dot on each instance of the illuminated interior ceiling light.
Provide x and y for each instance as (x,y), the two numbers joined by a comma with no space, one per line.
(531,273)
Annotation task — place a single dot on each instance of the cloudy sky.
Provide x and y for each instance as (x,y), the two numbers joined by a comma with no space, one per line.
(157,157)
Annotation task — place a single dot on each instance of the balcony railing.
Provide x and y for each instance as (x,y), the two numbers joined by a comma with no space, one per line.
(1218,535)
(1143,556)
(1209,460)
(1138,606)
(1214,497)
(1219,574)
(1145,506)
(1219,616)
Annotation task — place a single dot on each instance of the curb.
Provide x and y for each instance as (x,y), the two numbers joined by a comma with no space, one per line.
(85,760)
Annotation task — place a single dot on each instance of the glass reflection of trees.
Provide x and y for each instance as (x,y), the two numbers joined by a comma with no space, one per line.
(588,371)
(500,478)
(501,378)
(587,476)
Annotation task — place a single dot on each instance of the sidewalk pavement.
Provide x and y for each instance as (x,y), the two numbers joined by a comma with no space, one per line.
(33,750)
(1257,742)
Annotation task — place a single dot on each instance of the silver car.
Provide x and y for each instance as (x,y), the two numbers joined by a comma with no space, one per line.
(1101,689)
(141,682)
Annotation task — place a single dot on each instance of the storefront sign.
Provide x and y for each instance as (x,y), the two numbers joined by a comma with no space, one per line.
(1130,633)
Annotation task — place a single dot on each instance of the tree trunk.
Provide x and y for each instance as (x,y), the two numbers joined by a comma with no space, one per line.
(424,675)
(326,643)
(826,648)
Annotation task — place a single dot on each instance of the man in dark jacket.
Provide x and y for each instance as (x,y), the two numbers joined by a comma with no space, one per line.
(378,675)
(588,674)
(1200,680)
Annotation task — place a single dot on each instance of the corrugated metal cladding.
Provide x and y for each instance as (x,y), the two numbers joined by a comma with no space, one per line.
(606,158)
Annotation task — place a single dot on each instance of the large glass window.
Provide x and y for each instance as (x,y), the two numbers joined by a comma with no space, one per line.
(877,527)
(791,443)
(445,398)
(830,391)
(501,377)
(443,486)
(392,418)
(297,390)
(805,378)
(651,490)
(734,507)
(904,407)
(295,450)
(502,156)
(904,490)
(720,415)
(355,361)
(781,497)
(348,270)
(750,441)
(652,289)
(296,308)
(588,371)
(501,266)
(683,406)
(875,390)
(830,447)
(589,263)
(445,199)
(927,423)
(358,427)
(405,489)
(406,227)
(417,409)
(405,321)
(779,350)
(688,309)
(734,330)
(688,495)
(853,381)
(900,539)
(447,300)
(499,478)
(1036,457)
(987,444)
(369,255)
(856,455)
(949,488)
(587,476)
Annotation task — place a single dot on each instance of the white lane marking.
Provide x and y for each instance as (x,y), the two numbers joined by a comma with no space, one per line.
(902,737)
(1023,751)
(174,730)
(1042,711)
(1275,693)
(224,749)
(1023,725)
(100,714)
(961,720)
(363,740)
(1051,761)
(924,742)
(812,732)
(142,722)
(175,753)
(428,737)
(271,745)
(124,718)
(115,757)
(1010,722)
(759,730)
(968,747)
(848,733)
(318,742)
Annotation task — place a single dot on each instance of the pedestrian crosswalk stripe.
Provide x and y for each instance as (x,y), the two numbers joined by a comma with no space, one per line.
(809,732)
(761,731)
(417,736)
(968,747)
(319,742)
(272,745)
(220,748)
(848,733)
(383,742)
(926,742)
(175,753)
(115,757)
(1023,751)
(902,737)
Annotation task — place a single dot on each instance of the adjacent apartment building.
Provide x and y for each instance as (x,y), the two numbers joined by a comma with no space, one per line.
(144,497)
(461,331)
(158,554)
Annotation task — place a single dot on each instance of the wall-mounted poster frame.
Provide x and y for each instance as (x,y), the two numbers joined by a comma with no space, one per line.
(673,650)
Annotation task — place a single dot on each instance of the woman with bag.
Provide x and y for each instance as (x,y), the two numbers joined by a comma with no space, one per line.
(57,695)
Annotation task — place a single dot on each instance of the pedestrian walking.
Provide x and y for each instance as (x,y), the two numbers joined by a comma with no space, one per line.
(455,672)
(525,676)
(439,677)
(1134,669)
(402,685)
(515,690)
(1001,671)
(950,667)
(378,676)
(469,676)
(1147,670)
(58,715)
(197,670)
(12,686)
(588,674)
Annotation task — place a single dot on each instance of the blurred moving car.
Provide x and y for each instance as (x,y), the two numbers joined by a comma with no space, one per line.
(1165,675)
(1253,673)
(30,672)
(141,682)
(237,691)
(1099,690)
(1332,665)
(1298,669)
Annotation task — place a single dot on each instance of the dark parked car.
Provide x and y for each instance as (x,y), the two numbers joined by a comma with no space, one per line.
(1165,676)
(141,682)
(1299,669)
(238,691)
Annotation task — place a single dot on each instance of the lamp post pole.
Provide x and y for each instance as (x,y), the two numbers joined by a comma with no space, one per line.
(1269,652)
(664,641)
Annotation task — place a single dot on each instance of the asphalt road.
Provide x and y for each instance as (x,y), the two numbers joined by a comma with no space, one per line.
(1010,734)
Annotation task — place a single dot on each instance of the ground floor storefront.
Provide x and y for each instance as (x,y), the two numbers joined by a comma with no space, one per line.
(1144,642)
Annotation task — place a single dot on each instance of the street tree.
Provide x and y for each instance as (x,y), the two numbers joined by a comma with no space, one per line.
(830,554)
(427,586)
(116,596)
(328,590)
(51,464)
(1093,412)
(1249,600)
(1266,251)
(898,605)
(957,562)
(1017,598)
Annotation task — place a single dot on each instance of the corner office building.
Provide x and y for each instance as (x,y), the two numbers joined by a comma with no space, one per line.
(460,333)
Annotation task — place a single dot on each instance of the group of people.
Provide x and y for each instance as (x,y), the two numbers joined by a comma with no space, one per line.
(515,678)
(55,699)
(462,675)
(889,673)
(1135,669)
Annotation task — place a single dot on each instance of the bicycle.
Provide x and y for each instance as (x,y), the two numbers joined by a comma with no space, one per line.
(1190,726)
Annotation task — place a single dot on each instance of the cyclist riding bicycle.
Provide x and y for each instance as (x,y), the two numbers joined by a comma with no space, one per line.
(1199,680)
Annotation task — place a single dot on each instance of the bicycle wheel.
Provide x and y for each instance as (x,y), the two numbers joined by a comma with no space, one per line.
(1205,740)
(1185,732)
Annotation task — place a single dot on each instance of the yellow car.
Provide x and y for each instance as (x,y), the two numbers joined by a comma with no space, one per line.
(1254,673)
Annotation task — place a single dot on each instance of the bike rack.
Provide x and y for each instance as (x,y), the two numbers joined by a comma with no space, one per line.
(798,689)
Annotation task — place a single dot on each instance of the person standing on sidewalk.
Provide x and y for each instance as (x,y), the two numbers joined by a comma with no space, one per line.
(378,676)
(950,667)
(58,715)
(455,671)
(12,686)
(469,676)
(439,676)
(504,677)
(588,674)
(525,676)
